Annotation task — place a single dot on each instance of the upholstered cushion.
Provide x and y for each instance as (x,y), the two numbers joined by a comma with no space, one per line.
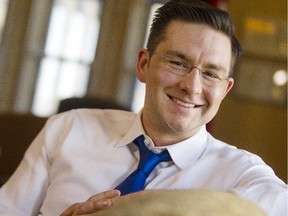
(182,203)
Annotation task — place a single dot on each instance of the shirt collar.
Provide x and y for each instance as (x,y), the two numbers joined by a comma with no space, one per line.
(186,152)
(135,130)
(183,153)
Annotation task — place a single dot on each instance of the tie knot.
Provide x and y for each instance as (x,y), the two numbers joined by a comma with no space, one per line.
(149,159)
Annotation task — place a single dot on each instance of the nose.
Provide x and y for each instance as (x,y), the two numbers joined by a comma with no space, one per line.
(191,83)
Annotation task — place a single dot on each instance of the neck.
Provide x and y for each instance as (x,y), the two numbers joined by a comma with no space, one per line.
(163,136)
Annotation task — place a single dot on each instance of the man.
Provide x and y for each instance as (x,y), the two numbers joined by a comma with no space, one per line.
(187,69)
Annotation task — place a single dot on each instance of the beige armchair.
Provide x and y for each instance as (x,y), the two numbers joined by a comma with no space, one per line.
(182,203)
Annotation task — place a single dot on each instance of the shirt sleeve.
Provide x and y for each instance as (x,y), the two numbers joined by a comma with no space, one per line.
(271,199)
(25,191)
(259,184)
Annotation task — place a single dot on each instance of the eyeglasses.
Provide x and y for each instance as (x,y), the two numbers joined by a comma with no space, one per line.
(175,65)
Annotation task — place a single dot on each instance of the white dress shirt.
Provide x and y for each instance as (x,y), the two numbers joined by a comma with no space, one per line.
(87,151)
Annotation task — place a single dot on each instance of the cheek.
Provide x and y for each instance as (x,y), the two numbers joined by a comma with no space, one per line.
(167,79)
(214,96)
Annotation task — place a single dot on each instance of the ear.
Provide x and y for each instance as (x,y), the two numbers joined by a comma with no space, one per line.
(228,87)
(142,64)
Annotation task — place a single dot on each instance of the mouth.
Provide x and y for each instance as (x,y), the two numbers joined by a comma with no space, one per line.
(183,103)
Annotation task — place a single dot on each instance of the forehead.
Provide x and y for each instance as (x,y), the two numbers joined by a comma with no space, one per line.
(199,42)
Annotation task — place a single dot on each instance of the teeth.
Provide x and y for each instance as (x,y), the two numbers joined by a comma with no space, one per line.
(188,105)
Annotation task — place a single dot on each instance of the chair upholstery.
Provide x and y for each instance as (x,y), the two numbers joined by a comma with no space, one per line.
(196,202)
(88,102)
(16,133)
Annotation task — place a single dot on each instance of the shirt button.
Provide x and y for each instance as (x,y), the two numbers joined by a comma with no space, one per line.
(147,143)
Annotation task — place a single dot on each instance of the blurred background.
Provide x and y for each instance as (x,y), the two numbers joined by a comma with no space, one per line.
(53,50)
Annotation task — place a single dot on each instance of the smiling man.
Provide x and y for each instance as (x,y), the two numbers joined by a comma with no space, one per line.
(187,77)
(84,154)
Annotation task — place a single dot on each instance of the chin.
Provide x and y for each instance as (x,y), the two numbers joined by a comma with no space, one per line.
(179,127)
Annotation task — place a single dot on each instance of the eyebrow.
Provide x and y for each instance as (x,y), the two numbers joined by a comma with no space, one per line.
(177,54)
(205,66)
(215,67)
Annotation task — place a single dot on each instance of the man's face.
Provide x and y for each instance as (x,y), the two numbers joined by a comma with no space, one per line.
(177,106)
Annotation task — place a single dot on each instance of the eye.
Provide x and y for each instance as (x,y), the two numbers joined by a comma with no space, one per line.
(178,64)
(210,75)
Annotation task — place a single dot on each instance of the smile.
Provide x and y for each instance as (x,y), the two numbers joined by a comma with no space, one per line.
(182,103)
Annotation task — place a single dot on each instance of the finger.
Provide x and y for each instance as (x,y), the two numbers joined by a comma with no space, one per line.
(104,203)
(94,203)
(69,211)
(105,195)
(91,207)
(98,202)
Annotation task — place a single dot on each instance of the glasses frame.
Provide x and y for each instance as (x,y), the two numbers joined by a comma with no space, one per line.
(212,78)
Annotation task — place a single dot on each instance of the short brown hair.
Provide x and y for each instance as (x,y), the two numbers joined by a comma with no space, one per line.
(192,11)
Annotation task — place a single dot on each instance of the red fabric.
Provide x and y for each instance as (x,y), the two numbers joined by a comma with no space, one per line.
(213,2)
(218,3)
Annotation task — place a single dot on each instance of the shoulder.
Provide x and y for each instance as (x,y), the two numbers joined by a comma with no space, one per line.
(243,166)
(92,115)
(230,152)
(89,121)
(85,126)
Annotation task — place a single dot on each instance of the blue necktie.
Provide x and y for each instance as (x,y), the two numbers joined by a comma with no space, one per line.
(148,161)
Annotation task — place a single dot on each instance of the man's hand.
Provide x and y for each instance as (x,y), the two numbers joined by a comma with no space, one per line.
(93,204)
